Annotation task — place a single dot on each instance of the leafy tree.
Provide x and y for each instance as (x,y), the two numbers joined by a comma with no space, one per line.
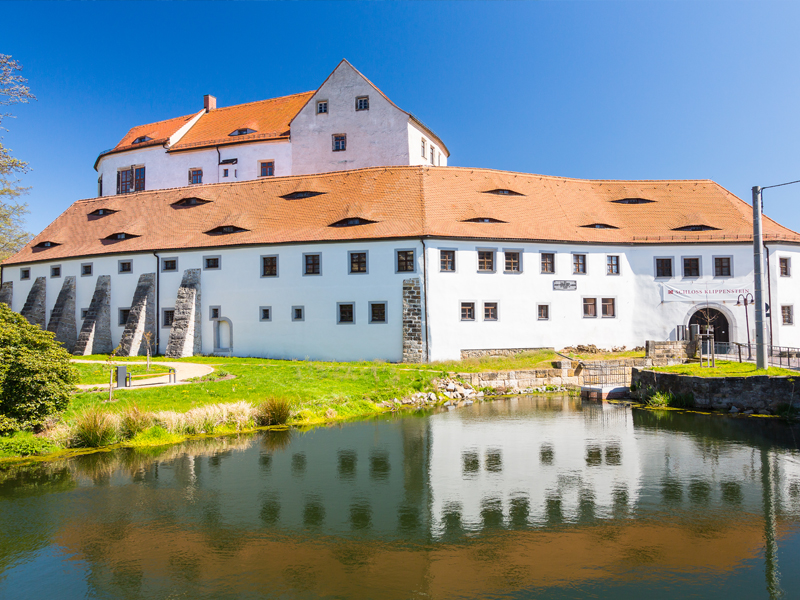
(36,377)
(12,233)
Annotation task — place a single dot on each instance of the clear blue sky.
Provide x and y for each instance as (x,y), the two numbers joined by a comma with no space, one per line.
(602,90)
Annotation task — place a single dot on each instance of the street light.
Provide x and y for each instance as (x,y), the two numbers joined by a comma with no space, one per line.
(743,301)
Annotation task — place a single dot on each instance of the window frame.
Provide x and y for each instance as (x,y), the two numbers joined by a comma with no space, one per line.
(339,306)
(788,262)
(58,274)
(424,148)
(91,269)
(699,266)
(164,312)
(671,260)
(619,265)
(208,257)
(397,260)
(362,98)
(192,171)
(120,310)
(277,265)
(211,310)
(791,315)
(385,312)
(730,265)
(461,306)
(333,142)
(327,106)
(541,263)
(164,268)
(305,264)
(302,313)
(261,310)
(585,263)
(84,312)
(123,261)
(25,274)
(546,305)
(519,253)
(496,310)
(261,164)
(583,307)
(350,262)
(478,260)
(614,304)
(455,261)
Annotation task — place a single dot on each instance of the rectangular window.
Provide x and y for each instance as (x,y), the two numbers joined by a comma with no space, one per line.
(322,107)
(266,168)
(265,313)
(362,103)
(86,269)
(24,274)
(312,264)
(787,315)
(125,181)
(663,267)
(339,142)
(195,176)
(548,262)
(609,308)
(124,313)
(579,264)
(447,261)
(490,311)
(543,311)
(358,262)
(138,179)
(722,266)
(467,311)
(405,261)
(125,266)
(486,260)
(168,317)
(590,307)
(298,313)
(433,154)
(691,267)
(214,312)
(346,312)
(786,267)
(612,265)
(512,262)
(211,263)
(55,271)
(423,147)
(169,264)
(377,312)
(269,266)
(224,172)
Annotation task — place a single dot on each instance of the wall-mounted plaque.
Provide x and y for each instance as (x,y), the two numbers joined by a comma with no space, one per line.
(565,285)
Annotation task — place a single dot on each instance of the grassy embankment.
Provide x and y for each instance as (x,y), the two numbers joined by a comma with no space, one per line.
(96,373)
(726,369)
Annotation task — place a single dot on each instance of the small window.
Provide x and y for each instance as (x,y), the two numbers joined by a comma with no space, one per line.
(612,265)
(696,228)
(424,146)
(242,131)
(269,266)
(351,222)
(548,262)
(691,267)
(102,212)
(24,274)
(141,139)
(211,263)
(312,264)
(195,176)
(483,220)
(633,201)
(298,313)
(377,312)
(362,103)
(116,237)
(55,271)
(433,154)
(405,261)
(322,107)
(264,313)
(168,317)
(301,194)
(169,264)
(513,264)
(224,172)
(490,311)
(590,307)
(722,266)
(579,264)
(225,230)
(467,311)
(214,312)
(358,262)
(503,192)
(663,267)
(125,266)
(346,312)
(609,307)
(339,142)
(786,267)
(84,313)
(266,168)
(600,226)
(787,315)
(124,313)
(187,202)
(543,312)
(86,269)
(447,261)
(486,261)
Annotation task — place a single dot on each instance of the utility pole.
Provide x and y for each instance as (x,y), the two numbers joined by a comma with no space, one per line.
(758,278)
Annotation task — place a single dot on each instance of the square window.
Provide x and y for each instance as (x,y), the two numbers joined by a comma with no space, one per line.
(169,264)
(195,176)
(212,263)
(124,313)
(548,262)
(362,103)
(86,269)
(405,261)
(346,312)
(691,267)
(590,307)
(24,274)
(298,313)
(266,168)
(490,311)
(224,172)
(486,260)
(84,313)
(214,312)
(786,267)
(579,264)
(608,307)
(358,262)
(513,264)
(265,313)
(467,311)
(322,107)
(447,261)
(168,317)
(55,271)
(377,312)
(722,266)
(543,312)
(312,264)
(125,266)
(612,265)
(787,315)
(663,267)
(339,142)
(269,266)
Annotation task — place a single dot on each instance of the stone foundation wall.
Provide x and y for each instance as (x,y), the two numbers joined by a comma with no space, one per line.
(413,342)
(670,350)
(497,352)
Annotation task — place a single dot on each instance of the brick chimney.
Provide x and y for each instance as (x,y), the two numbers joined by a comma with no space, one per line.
(209,103)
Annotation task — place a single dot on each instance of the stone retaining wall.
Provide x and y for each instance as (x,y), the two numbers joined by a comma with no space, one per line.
(670,350)
(497,352)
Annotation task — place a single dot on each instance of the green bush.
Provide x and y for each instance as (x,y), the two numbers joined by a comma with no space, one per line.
(275,411)
(24,444)
(94,428)
(36,377)
(658,399)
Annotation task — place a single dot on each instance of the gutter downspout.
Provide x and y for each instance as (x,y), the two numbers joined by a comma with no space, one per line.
(769,295)
(425,298)
(219,161)
(158,299)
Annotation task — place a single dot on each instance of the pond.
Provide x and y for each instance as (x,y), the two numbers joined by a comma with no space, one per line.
(533,497)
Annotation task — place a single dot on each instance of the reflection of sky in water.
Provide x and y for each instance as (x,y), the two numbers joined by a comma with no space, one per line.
(526,497)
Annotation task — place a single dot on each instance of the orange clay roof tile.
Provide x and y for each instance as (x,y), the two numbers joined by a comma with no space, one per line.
(159,132)
(404,202)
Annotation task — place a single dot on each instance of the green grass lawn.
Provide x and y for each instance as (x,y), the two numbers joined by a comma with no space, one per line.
(726,369)
(535,359)
(91,373)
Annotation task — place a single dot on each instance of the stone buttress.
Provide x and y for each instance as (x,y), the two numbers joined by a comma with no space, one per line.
(413,343)
(95,335)
(7,292)
(141,318)
(36,304)
(184,336)
(62,318)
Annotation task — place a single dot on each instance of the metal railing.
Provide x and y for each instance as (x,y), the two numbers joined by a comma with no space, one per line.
(606,375)
(778,356)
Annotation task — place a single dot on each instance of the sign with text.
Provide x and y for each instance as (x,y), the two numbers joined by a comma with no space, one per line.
(565,285)
(674,293)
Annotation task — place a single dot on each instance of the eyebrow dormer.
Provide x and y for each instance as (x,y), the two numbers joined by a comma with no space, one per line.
(483,220)
(225,230)
(242,131)
(189,202)
(696,228)
(301,194)
(351,222)
(119,236)
(633,201)
(46,244)
(142,139)
(600,226)
(503,192)
(102,212)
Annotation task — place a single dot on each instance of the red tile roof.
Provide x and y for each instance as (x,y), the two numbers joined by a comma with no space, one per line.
(405,202)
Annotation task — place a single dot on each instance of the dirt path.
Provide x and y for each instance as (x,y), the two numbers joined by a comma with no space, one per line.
(183,371)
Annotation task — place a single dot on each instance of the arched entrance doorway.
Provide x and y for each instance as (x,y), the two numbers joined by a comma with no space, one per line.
(706,317)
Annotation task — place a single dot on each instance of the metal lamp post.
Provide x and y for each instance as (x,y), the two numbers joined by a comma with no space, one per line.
(742,300)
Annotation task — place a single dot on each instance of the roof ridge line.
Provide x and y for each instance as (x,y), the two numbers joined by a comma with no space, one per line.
(257,101)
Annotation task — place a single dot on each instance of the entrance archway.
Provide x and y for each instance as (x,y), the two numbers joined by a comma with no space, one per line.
(706,317)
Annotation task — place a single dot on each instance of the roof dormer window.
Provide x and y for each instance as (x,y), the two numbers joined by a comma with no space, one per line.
(483,220)
(503,192)
(696,228)
(46,244)
(242,131)
(187,202)
(600,226)
(102,212)
(141,139)
(351,222)
(120,235)
(633,201)
(301,194)
(225,230)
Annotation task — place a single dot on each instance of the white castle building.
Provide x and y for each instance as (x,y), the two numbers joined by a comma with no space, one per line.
(328,225)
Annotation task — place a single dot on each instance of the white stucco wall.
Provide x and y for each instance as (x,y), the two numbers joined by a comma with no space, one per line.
(415,137)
